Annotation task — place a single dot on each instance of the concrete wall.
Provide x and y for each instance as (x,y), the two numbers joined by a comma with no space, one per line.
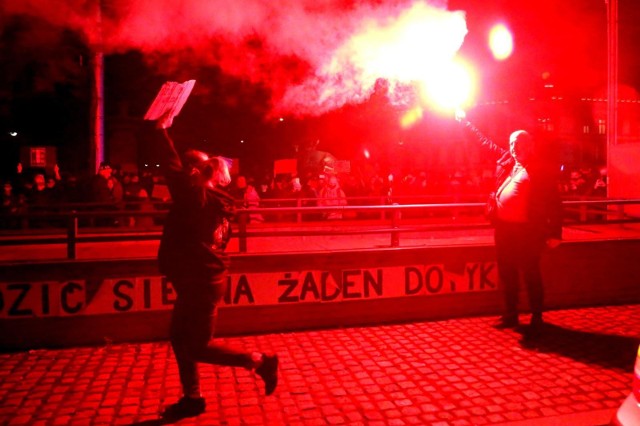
(73,303)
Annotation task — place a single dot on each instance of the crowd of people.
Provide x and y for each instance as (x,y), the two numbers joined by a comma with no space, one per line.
(112,189)
(37,191)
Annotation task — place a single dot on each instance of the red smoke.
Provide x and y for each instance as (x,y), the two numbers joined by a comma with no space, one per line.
(312,55)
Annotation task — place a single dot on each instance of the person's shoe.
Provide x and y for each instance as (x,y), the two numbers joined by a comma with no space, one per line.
(185,407)
(536,321)
(268,371)
(507,321)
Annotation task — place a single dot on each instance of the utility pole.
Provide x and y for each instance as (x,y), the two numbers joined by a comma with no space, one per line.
(612,84)
(97,89)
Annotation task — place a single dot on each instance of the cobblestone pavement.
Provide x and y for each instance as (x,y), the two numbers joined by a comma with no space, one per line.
(455,372)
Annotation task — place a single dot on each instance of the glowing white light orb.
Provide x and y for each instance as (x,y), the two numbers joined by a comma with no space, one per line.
(500,42)
(449,87)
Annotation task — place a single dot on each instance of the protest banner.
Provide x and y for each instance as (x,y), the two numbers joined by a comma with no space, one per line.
(169,101)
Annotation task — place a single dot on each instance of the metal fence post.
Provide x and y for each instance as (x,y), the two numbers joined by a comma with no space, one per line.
(72,235)
(395,223)
(583,212)
(620,212)
(242,232)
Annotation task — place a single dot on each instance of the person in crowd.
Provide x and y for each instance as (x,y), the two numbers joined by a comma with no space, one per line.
(237,187)
(38,201)
(600,184)
(296,194)
(589,175)
(146,180)
(54,189)
(101,193)
(375,188)
(281,190)
(38,196)
(246,191)
(145,205)
(19,182)
(71,190)
(192,256)
(11,205)
(309,198)
(251,199)
(577,184)
(107,192)
(599,190)
(136,199)
(55,196)
(422,184)
(53,186)
(129,190)
(265,187)
(332,195)
(160,190)
(117,197)
(296,187)
(9,199)
(281,195)
(390,189)
(527,217)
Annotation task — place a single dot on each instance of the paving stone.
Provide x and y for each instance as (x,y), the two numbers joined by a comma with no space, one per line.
(454,372)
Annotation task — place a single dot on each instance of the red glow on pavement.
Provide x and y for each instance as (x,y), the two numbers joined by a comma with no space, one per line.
(500,42)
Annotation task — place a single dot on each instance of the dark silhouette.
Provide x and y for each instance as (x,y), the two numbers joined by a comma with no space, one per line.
(192,256)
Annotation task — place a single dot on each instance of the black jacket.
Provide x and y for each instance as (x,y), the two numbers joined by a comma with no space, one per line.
(188,246)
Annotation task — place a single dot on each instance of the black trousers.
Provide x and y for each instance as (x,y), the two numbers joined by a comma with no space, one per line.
(518,252)
(192,327)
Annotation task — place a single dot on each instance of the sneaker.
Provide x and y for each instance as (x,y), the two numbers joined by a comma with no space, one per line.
(185,407)
(268,371)
(507,321)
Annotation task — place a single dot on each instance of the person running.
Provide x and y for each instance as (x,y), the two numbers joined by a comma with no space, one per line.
(192,256)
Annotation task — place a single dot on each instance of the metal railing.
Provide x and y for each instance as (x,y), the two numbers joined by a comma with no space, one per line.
(392,219)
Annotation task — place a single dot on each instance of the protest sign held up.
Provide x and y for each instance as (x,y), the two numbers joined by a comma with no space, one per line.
(169,101)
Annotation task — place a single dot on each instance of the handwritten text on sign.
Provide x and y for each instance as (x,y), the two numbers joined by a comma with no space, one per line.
(134,294)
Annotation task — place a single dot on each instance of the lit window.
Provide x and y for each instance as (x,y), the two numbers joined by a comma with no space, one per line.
(585,129)
(602,126)
(546,124)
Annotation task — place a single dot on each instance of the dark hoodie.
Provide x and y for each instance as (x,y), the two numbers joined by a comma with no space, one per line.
(189,246)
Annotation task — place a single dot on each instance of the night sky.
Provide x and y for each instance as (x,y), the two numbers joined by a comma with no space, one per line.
(257,62)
